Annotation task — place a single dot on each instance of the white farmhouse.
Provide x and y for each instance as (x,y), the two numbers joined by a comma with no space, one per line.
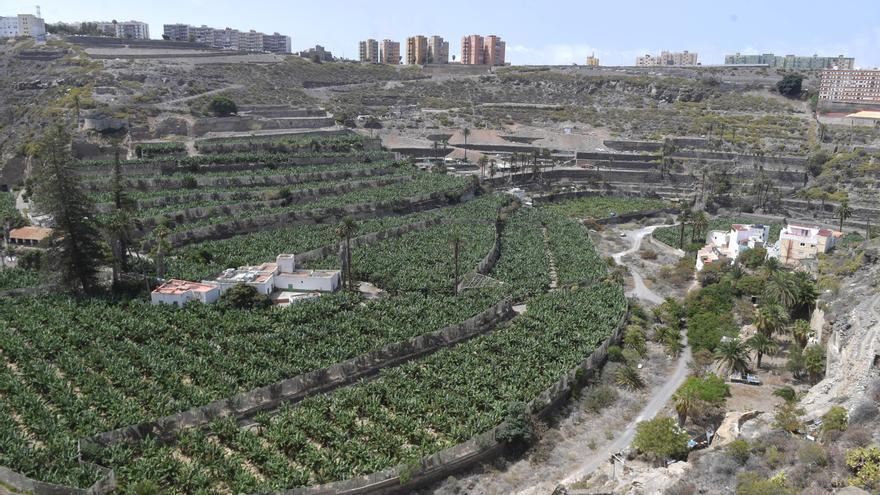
(798,243)
(729,245)
(179,292)
(281,275)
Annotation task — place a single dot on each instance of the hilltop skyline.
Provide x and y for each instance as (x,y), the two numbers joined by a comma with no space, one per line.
(616,33)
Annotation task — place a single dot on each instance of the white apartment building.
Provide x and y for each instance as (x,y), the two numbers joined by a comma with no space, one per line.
(134,30)
(27,25)
(798,243)
(228,39)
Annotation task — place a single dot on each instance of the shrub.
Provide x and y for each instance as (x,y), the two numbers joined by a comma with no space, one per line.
(751,483)
(787,393)
(628,377)
(599,398)
(864,463)
(790,85)
(813,454)
(243,296)
(661,438)
(222,106)
(753,258)
(190,182)
(649,254)
(739,450)
(834,420)
(631,357)
(615,354)
(634,338)
(788,417)
(518,428)
(814,361)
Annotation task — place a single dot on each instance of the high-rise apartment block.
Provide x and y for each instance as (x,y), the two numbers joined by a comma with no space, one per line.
(791,62)
(390,53)
(476,50)
(592,61)
(850,86)
(416,50)
(369,51)
(667,58)
(228,39)
(438,50)
(27,25)
(134,30)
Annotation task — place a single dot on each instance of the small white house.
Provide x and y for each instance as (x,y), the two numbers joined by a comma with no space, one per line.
(729,245)
(281,275)
(179,292)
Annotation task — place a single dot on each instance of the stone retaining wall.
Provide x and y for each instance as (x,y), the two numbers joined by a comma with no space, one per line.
(247,404)
(244,124)
(21,483)
(366,240)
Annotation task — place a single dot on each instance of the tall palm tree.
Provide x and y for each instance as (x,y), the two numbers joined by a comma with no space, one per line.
(733,355)
(683,217)
(347,228)
(455,242)
(781,289)
(761,344)
(160,248)
(807,294)
(770,319)
(700,222)
(736,273)
(843,212)
(465,132)
(800,332)
(493,169)
(483,161)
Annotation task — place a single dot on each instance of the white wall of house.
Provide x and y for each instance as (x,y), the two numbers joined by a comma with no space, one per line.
(303,281)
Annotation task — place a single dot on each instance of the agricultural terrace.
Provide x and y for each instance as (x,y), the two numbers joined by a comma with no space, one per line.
(71,369)
(672,235)
(410,411)
(604,206)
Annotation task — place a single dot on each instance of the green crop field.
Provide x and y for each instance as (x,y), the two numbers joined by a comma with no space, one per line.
(604,207)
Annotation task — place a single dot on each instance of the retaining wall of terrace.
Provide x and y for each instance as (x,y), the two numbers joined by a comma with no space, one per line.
(22,483)
(476,451)
(168,167)
(247,404)
(791,161)
(149,184)
(585,175)
(649,146)
(297,197)
(244,124)
(366,240)
(624,157)
(325,215)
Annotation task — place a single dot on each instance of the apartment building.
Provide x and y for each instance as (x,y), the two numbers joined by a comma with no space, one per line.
(318,53)
(592,61)
(228,38)
(27,25)
(416,50)
(472,50)
(369,51)
(276,43)
(494,49)
(438,50)
(667,58)
(851,86)
(390,52)
(791,62)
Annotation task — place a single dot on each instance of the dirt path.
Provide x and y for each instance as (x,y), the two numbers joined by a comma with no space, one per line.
(554,278)
(640,290)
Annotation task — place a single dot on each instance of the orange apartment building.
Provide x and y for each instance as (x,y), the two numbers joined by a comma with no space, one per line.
(476,50)
(390,53)
(417,50)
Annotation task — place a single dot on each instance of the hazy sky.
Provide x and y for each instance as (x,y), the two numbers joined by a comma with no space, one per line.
(536,31)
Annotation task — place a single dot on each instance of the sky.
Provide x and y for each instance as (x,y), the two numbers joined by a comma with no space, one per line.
(536,31)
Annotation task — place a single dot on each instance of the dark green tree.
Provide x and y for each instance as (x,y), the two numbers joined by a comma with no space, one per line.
(243,296)
(74,246)
(790,85)
(222,106)
(661,439)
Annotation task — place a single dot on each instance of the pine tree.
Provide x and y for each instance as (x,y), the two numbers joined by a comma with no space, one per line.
(75,242)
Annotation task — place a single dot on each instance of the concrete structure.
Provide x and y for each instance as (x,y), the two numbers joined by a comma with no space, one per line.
(317,53)
(684,58)
(390,52)
(792,62)
(179,292)
(276,43)
(26,25)
(416,50)
(135,30)
(722,246)
(494,50)
(798,243)
(368,51)
(852,86)
(476,50)
(28,236)
(592,61)
(228,38)
(438,50)
(281,275)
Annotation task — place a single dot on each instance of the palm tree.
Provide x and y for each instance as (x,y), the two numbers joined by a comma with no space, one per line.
(761,344)
(628,377)
(843,212)
(455,241)
(735,274)
(733,355)
(685,401)
(160,248)
(807,294)
(781,288)
(771,319)
(683,217)
(483,161)
(347,228)
(800,332)
(700,222)
(493,169)
(465,132)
